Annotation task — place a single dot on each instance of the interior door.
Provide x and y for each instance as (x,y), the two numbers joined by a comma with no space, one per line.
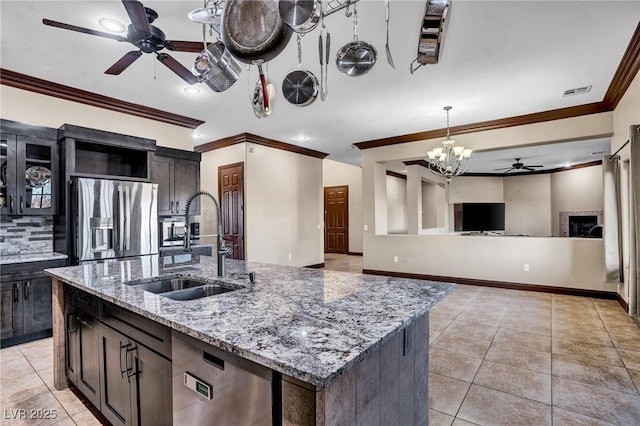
(231,194)
(336,219)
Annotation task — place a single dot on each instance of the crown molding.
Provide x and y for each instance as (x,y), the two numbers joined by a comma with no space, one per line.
(396,175)
(49,88)
(622,79)
(258,140)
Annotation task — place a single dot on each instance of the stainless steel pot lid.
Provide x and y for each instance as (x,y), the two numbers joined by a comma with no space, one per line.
(300,87)
(356,58)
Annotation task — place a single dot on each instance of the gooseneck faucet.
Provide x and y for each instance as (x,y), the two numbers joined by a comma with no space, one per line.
(221,249)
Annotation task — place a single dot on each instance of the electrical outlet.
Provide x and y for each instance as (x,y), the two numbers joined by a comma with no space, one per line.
(289,256)
(395,259)
(318,227)
(526,267)
(366,227)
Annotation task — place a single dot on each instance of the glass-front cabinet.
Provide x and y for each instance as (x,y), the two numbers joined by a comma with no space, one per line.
(28,175)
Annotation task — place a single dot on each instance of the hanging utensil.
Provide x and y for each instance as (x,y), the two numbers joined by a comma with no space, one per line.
(260,100)
(325,84)
(320,47)
(216,67)
(357,57)
(386,46)
(300,87)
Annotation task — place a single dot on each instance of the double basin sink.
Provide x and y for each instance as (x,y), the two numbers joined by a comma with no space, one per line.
(184,288)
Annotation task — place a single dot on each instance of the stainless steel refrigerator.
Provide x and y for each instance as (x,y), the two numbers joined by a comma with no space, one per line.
(114,219)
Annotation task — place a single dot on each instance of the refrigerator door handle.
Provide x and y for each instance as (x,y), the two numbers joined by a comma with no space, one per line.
(120,219)
(127,215)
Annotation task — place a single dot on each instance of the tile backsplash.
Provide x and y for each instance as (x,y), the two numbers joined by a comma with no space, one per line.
(26,234)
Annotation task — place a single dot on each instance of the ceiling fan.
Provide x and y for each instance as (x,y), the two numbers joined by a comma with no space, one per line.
(518,166)
(145,37)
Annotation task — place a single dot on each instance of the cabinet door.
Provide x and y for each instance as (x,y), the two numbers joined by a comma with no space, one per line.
(162,174)
(151,387)
(36,176)
(72,350)
(88,362)
(186,182)
(8,173)
(11,313)
(36,312)
(115,388)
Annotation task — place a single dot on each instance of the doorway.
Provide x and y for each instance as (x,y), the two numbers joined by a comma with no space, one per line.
(231,196)
(336,219)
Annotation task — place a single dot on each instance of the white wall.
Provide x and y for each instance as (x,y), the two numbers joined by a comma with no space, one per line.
(568,262)
(578,189)
(528,205)
(433,205)
(397,205)
(476,189)
(335,173)
(40,110)
(625,115)
(284,211)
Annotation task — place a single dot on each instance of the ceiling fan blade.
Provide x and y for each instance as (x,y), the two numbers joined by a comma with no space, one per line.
(185,46)
(177,68)
(138,15)
(510,168)
(535,166)
(504,168)
(123,62)
(82,30)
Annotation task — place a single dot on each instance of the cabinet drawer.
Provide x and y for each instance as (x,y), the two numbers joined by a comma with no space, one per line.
(153,335)
(87,303)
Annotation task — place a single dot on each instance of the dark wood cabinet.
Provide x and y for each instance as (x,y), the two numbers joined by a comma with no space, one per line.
(25,297)
(177,174)
(29,164)
(119,360)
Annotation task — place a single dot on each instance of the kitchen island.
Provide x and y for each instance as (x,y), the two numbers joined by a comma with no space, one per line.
(349,348)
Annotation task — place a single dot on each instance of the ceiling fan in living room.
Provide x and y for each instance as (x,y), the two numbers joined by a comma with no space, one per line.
(145,37)
(519,166)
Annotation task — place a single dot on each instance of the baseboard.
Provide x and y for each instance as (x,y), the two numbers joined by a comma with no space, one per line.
(25,338)
(354,253)
(599,294)
(622,302)
(316,266)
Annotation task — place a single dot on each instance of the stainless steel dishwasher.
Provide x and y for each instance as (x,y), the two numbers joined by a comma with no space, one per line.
(211,386)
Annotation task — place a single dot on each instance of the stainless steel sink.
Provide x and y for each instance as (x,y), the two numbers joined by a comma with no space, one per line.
(185,288)
(163,286)
(198,292)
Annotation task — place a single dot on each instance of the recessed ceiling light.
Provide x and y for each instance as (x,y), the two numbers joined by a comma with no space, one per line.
(112,25)
(192,90)
(301,138)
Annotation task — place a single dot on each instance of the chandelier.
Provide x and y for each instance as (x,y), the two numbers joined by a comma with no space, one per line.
(450,160)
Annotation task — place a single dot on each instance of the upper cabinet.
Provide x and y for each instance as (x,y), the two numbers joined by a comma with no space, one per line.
(177,174)
(29,170)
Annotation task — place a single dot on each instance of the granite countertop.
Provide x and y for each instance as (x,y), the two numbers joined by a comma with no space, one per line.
(30,257)
(310,324)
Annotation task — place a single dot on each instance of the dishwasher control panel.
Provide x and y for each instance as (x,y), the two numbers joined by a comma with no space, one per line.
(198,386)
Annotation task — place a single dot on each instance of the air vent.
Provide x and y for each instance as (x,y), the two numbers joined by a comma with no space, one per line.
(577,91)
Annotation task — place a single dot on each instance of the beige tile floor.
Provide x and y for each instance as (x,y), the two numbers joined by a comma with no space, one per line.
(498,357)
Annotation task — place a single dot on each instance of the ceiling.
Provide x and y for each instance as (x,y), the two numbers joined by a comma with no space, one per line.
(500,59)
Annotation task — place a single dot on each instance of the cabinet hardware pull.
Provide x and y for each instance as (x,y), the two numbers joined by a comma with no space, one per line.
(72,319)
(16,293)
(130,372)
(172,207)
(122,370)
(10,203)
(178,207)
(21,204)
(26,290)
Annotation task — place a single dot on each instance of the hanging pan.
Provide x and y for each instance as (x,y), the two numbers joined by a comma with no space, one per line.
(357,57)
(300,87)
(301,16)
(216,67)
(252,30)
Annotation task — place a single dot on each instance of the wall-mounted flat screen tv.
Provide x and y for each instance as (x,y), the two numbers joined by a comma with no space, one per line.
(482,217)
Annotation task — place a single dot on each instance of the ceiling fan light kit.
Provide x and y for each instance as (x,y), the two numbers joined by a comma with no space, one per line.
(449,160)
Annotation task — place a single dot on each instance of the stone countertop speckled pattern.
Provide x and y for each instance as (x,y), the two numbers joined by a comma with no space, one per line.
(311,324)
(31,257)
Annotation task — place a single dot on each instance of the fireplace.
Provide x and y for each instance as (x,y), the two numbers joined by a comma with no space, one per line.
(579,226)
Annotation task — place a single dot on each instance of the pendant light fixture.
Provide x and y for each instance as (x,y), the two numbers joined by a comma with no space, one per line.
(450,160)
